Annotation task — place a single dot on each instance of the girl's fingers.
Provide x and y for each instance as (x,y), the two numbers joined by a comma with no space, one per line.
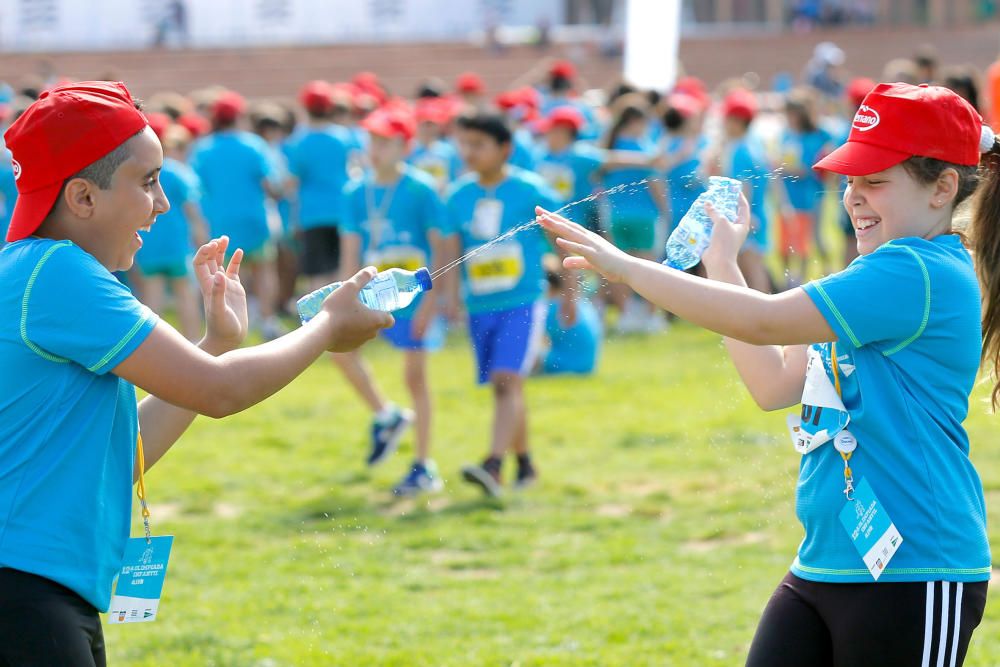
(563,228)
(576,248)
(577,263)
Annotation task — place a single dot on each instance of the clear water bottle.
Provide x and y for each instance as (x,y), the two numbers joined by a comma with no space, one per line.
(690,239)
(389,290)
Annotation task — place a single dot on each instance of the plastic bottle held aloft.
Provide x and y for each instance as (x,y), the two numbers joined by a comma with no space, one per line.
(388,291)
(690,239)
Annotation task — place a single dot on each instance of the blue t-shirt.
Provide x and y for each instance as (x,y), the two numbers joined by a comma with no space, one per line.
(8,191)
(508,274)
(522,153)
(439,160)
(907,321)
(744,160)
(573,349)
(168,242)
(634,202)
(799,152)
(571,174)
(318,159)
(67,425)
(682,179)
(408,211)
(232,166)
(591,128)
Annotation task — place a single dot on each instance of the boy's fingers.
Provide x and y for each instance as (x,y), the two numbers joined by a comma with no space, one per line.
(361,278)
(577,262)
(233,270)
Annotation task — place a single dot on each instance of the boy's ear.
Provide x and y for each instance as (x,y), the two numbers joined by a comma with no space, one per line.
(78,195)
(945,189)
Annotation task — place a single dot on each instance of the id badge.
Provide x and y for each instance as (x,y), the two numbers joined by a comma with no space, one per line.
(140,583)
(871,530)
(486,219)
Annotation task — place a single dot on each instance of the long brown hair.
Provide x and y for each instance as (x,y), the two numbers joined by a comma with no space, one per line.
(984,233)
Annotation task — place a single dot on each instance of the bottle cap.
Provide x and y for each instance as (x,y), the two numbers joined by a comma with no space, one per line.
(424,279)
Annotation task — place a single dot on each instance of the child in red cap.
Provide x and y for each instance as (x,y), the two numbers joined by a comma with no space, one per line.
(887,492)
(74,343)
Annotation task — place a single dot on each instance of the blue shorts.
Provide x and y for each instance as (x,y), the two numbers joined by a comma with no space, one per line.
(507,340)
(400,335)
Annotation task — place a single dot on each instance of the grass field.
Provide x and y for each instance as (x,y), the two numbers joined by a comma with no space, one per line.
(663,521)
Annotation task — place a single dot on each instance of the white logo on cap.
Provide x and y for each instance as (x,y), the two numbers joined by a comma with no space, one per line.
(865,119)
(16,166)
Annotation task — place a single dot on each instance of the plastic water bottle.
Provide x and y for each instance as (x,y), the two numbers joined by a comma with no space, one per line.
(389,290)
(690,239)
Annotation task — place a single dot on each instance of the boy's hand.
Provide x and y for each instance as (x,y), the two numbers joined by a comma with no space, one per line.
(223,294)
(590,250)
(352,323)
(727,236)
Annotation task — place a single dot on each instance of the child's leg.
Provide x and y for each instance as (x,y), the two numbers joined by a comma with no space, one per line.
(359,375)
(415,373)
(154,293)
(509,414)
(751,263)
(186,303)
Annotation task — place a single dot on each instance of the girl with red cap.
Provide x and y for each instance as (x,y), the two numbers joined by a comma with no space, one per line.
(883,356)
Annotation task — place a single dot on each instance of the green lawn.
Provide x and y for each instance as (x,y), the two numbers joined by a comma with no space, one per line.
(662,523)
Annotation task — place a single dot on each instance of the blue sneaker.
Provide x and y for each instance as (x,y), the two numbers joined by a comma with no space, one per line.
(422,478)
(386,433)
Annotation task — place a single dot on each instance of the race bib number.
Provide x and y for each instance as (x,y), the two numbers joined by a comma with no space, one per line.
(497,269)
(140,582)
(823,413)
(436,169)
(559,177)
(407,258)
(486,219)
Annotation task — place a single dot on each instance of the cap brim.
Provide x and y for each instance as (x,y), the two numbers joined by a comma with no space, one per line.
(860,159)
(31,210)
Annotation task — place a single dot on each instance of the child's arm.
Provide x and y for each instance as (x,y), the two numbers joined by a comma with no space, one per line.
(429,307)
(774,374)
(181,374)
(350,254)
(737,312)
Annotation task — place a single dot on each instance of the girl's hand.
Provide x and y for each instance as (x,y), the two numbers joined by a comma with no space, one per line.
(223,294)
(727,236)
(592,252)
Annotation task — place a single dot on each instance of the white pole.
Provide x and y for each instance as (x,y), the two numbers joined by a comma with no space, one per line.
(652,34)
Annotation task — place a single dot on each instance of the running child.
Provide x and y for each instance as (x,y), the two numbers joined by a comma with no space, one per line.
(883,355)
(503,285)
(393,217)
(89,182)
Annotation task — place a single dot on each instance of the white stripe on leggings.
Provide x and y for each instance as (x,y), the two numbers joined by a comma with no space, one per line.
(928,624)
(943,636)
(958,623)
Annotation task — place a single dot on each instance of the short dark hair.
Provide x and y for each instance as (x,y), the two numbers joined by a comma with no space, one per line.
(101,171)
(488,122)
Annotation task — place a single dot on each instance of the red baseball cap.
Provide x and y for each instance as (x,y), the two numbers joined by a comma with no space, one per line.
(897,121)
(390,123)
(685,104)
(568,116)
(66,129)
(857,89)
(194,123)
(317,96)
(437,110)
(229,106)
(470,82)
(563,69)
(159,122)
(740,103)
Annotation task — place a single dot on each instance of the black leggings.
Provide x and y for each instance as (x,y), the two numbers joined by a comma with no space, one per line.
(856,625)
(43,624)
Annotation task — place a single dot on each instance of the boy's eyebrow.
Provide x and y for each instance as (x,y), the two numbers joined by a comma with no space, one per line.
(152,172)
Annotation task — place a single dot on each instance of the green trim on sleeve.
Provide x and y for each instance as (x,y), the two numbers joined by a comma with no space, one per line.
(927,303)
(122,343)
(27,296)
(836,313)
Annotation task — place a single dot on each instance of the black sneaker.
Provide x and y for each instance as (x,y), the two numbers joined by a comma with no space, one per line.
(526,473)
(386,434)
(486,476)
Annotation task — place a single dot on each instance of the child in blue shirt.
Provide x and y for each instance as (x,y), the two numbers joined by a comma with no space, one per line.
(168,246)
(89,170)
(570,167)
(684,144)
(237,176)
(883,357)
(574,331)
(503,284)
(430,152)
(393,217)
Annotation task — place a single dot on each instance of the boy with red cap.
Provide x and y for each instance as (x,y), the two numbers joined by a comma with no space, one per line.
(317,159)
(87,167)
(471,89)
(568,165)
(560,91)
(237,176)
(430,153)
(393,217)
(895,562)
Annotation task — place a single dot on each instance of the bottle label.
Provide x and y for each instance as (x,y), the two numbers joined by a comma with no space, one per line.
(383,287)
